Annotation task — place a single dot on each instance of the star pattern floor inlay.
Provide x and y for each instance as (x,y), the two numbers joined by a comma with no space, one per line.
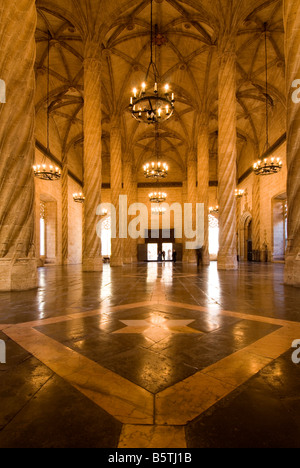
(156,328)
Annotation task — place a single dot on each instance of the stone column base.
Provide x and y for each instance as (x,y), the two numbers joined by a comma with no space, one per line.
(292,271)
(18,275)
(227,263)
(127,261)
(206,261)
(116,261)
(192,257)
(92,264)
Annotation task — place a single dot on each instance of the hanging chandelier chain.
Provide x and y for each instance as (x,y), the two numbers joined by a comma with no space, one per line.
(157,106)
(269,165)
(45,172)
(267,89)
(48,94)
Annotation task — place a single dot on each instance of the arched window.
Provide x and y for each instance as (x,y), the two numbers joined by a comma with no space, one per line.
(42,230)
(106,237)
(213,236)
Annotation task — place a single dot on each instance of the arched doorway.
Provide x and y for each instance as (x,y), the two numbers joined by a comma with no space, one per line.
(106,237)
(213,237)
(245,238)
(279,226)
(48,230)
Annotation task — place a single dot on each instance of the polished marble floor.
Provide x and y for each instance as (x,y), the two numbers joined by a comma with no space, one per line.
(157,355)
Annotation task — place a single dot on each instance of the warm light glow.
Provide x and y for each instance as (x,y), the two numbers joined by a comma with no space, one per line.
(157,197)
(78,197)
(239,193)
(46,173)
(157,170)
(268,166)
(151,107)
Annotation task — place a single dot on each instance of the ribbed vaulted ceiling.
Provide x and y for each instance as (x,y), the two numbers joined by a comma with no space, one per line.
(187,58)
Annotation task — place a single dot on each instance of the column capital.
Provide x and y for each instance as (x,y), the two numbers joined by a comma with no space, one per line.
(115,122)
(92,54)
(192,156)
(203,119)
(127,158)
(226,48)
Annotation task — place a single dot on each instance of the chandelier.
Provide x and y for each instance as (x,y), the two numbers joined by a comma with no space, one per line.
(239,193)
(214,210)
(45,171)
(151,103)
(269,165)
(156,170)
(78,197)
(157,197)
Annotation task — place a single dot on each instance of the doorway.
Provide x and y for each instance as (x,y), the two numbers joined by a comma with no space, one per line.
(279,222)
(168,249)
(249,242)
(47,230)
(152,252)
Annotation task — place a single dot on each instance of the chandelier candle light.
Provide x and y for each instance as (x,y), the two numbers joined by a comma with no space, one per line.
(156,170)
(43,171)
(157,197)
(239,193)
(152,105)
(78,197)
(214,210)
(272,165)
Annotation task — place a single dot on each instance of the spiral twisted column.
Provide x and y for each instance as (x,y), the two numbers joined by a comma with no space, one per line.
(203,182)
(129,191)
(185,257)
(238,217)
(256,219)
(134,188)
(292,47)
(18,266)
(92,259)
(192,198)
(65,209)
(227,258)
(116,258)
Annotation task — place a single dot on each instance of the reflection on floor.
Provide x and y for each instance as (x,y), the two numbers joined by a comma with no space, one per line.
(151,355)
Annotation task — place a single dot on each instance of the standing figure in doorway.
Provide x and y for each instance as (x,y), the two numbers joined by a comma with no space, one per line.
(174,256)
(164,256)
(199,256)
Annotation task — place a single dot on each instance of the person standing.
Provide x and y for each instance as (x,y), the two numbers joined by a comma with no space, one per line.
(199,256)
(174,256)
